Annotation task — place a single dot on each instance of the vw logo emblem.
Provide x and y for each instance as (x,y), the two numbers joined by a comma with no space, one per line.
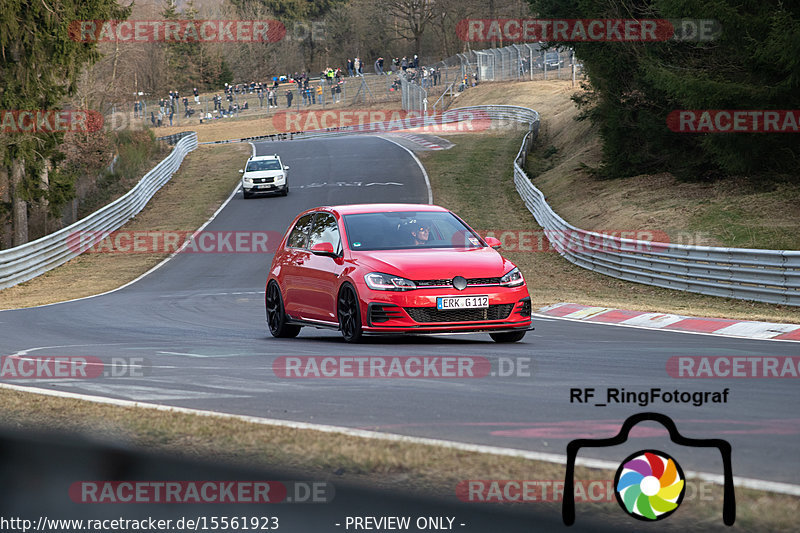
(460,283)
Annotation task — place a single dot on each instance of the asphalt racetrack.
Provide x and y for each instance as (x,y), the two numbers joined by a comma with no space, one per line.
(198,322)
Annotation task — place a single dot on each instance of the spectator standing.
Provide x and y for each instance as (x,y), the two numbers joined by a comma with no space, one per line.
(350,67)
(289,97)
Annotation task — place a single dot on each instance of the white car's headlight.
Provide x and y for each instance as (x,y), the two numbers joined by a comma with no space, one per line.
(280,177)
(513,278)
(248,180)
(385,282)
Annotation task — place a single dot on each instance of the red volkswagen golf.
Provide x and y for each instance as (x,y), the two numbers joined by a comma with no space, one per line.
(393,268)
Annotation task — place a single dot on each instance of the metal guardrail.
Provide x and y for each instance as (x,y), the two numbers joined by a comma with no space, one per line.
(770,276)
(29,260)
(175,137)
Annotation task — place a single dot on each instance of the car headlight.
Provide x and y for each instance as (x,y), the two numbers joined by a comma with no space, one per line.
(280,177)
(248,180)
(513,278)
(385,282)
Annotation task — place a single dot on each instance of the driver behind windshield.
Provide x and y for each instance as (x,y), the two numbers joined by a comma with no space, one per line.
(421,232)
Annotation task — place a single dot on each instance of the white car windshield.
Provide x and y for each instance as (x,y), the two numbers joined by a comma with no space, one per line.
(268,164)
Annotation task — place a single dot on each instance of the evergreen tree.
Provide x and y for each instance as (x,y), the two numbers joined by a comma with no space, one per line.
(753,64)
(39,66)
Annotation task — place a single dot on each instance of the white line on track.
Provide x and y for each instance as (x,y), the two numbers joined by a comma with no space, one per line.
(26,351)
(421,167)
(756,484)
(159,265)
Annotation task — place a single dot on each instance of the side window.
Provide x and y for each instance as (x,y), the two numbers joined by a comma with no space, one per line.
(325,229)
(298,238)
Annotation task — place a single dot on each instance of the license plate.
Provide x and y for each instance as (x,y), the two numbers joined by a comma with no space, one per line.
(462,302)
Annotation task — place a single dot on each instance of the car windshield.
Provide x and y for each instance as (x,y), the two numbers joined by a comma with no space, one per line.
(267,164)
(408,229)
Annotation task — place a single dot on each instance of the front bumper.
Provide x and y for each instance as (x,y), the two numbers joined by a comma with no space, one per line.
(262,188)
(415,311)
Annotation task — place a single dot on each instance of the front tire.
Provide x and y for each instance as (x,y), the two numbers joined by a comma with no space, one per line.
(349,312)
(509,336)
(246,194)
(276,316)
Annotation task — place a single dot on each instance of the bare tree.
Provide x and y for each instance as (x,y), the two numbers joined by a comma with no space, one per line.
(412,17)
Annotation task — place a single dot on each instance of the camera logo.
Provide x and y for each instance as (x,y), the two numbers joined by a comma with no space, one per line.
(649,485)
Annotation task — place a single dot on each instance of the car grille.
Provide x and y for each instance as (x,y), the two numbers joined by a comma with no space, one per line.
(431,314)
(263,180)
(449,282)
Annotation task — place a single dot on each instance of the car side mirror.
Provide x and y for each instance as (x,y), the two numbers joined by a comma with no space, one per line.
(323,248)
(241,171)
(285,167)
(494,242)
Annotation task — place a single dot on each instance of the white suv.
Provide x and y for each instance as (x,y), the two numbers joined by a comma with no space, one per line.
(264,174)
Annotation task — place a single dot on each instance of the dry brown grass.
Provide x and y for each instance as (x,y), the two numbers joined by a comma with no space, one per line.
(210,173)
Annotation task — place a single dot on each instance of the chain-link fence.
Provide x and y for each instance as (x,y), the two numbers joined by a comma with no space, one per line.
(430,89)
(516,62)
